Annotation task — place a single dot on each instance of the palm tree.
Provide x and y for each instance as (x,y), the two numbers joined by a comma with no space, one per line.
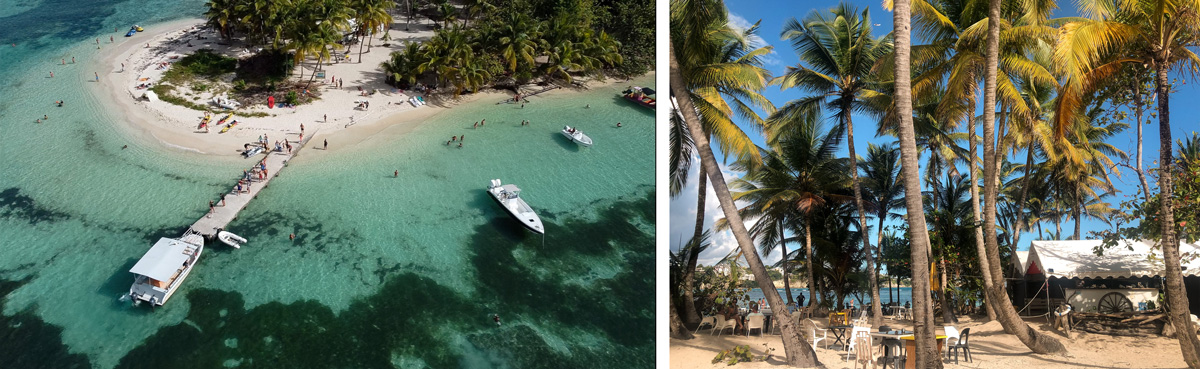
(725,74)
(840,53)
(800,177)
(518,42)
(446,12)
(1157,34)
(881,180)
(402,67)
(220,15)
(797,352)
(927,353)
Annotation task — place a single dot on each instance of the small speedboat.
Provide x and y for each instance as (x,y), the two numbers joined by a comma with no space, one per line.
(131,32)
(252,151)
(576,136)
(509,197)
(226,103)
(641,96)
(231,239)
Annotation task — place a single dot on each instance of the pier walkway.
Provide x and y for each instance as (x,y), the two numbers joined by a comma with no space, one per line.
(221,215)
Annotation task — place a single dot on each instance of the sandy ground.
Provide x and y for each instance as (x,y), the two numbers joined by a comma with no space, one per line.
(139,60)
(990,348)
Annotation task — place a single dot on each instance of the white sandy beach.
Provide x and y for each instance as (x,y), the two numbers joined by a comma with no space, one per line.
(991,348)
(175,126)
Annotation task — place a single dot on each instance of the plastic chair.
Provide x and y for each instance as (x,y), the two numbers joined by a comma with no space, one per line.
(952,337)
(863,350)
(718,325)
(962,344)
(896,348)
(710,320)
(824,335)
(731,324)
(754,322)
(853,337)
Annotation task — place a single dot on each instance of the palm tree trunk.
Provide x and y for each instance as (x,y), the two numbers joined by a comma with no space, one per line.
(1020,223)
(947,307)
(787,287)
(1176,295)
(979,245)
(678,331)
(362,34)
(797,352)
(927,354)
(808,264)
(314,73)
(876,310)
(1005,312)
(690,315)
(1137,113)
(1077,213)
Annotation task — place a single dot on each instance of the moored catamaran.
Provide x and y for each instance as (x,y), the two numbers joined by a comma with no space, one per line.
(161,271)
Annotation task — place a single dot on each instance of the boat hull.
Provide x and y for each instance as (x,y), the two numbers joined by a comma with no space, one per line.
(516,216)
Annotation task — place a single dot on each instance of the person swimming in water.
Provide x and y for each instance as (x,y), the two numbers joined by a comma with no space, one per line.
(496,318)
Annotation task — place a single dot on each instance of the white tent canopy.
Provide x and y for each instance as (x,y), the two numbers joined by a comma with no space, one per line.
(1076,259)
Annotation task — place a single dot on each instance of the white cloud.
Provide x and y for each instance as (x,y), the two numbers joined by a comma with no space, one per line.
(683,217)
(740,23)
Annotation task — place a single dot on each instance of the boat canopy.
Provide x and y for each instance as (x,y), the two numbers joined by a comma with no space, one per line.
(647,90)
(163,260)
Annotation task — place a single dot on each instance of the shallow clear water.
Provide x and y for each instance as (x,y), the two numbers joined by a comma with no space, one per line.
(384,272)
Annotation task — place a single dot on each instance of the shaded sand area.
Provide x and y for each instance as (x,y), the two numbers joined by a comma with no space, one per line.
(991,348)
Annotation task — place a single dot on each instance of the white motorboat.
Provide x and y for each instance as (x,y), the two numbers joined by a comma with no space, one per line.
(161,271)
(509,197)
(231,239)
(576,136)
(252,151)
(225,103)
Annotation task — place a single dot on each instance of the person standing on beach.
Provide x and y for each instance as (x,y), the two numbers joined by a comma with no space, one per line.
(326,145)
(110,39)
(72,60)
(301,128)
(64,61)
(97,76)
(51,74)
(324,118)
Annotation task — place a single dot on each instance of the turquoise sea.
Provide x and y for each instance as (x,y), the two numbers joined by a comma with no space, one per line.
(385,272)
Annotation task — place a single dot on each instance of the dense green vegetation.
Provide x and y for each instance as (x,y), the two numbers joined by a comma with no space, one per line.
(513,42)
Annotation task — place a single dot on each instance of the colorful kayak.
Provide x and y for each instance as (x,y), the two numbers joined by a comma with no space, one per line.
(225,119)
(204,123)
(230,126)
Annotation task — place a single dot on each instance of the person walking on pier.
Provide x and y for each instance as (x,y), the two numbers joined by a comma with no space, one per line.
(211,208)
(223,199)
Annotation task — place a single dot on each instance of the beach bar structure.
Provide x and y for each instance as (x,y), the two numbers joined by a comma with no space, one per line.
(1127,277)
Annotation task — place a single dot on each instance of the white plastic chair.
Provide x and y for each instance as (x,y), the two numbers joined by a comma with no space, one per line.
(952,337)
(852,338)
(710,320)
(730,324)
(824,335)
(718,325)
(754,322)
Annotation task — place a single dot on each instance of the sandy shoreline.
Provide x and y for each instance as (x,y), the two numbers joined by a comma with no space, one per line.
(132,62)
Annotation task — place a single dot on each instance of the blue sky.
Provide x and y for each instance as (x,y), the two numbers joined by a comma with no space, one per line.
(773,14)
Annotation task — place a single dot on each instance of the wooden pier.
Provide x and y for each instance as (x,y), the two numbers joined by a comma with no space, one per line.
(235,201)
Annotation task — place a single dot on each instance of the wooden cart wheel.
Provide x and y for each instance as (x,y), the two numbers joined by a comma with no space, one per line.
(1114,302)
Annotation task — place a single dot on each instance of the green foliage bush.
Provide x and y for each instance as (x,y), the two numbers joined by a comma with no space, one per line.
(737,354)
(291,97)
(266,66)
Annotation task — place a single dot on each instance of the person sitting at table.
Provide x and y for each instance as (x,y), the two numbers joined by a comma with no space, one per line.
(731,312)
